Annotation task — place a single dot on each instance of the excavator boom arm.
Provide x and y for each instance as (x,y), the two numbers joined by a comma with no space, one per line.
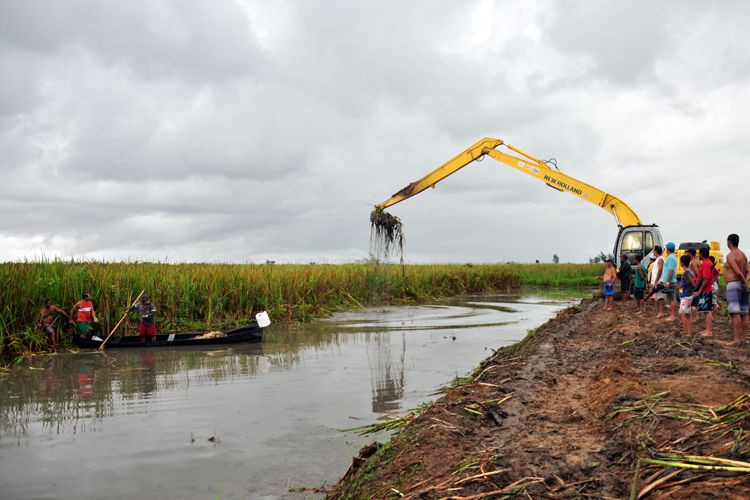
(528,164)
(459,161)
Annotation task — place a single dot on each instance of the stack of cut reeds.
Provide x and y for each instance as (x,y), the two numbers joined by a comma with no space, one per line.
(710,447)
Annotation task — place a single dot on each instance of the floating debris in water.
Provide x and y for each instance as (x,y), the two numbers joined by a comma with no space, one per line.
(386,233)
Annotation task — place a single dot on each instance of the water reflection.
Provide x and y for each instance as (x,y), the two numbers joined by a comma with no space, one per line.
(84,388)
(386,372)
(276,407)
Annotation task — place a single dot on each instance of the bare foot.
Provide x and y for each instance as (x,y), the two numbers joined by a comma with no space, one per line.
(669,319)
(707,334)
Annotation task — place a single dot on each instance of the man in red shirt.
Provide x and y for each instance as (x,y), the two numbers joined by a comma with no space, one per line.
(84,315)
(704,290)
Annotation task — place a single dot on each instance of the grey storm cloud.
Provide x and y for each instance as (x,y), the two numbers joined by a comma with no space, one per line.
(623,40)
(251,130)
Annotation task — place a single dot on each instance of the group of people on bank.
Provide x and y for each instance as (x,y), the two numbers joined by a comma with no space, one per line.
(83,317)
(656,277)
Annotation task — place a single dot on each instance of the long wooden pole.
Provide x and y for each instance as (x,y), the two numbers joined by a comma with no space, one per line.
(127,318)
(101,347)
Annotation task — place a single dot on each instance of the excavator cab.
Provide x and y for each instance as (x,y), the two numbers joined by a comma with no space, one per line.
(636,240)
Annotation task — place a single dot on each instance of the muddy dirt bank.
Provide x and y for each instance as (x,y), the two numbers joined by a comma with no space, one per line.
(592,404)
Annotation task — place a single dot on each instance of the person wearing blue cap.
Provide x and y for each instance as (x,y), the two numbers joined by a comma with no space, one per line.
(669,283)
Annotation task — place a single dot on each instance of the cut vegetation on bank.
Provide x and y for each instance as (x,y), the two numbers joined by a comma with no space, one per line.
(592,404)
(199,296)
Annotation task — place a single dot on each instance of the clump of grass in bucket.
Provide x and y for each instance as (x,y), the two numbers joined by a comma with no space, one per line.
(386,233)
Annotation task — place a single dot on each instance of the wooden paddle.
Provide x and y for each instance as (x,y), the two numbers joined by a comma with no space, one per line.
(127,311)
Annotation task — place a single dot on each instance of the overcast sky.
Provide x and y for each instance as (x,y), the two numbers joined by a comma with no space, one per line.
(243,131)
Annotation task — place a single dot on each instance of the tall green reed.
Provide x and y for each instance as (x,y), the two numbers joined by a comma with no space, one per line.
(215,295)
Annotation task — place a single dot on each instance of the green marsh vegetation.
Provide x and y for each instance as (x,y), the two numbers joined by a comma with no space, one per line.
(200,296)
(570,275)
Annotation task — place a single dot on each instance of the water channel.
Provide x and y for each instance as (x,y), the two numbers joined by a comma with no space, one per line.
(252,421)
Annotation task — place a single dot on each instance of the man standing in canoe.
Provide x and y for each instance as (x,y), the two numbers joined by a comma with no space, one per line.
(48,318)
(147,312)
(84,314)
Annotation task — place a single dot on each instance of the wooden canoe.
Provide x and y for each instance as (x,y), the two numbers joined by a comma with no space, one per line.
(249,333)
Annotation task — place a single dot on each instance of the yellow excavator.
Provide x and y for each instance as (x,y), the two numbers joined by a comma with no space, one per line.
(633,236)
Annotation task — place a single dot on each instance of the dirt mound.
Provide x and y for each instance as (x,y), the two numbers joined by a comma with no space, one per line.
(591,404)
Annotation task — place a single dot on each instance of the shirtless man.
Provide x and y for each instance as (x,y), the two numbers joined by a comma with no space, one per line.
(736,274)
(695,262)
(48,317)
(609,277)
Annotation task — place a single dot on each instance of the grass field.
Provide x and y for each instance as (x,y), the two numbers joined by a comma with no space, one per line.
(215,295)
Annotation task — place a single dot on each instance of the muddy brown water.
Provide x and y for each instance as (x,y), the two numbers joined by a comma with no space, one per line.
(251,421)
